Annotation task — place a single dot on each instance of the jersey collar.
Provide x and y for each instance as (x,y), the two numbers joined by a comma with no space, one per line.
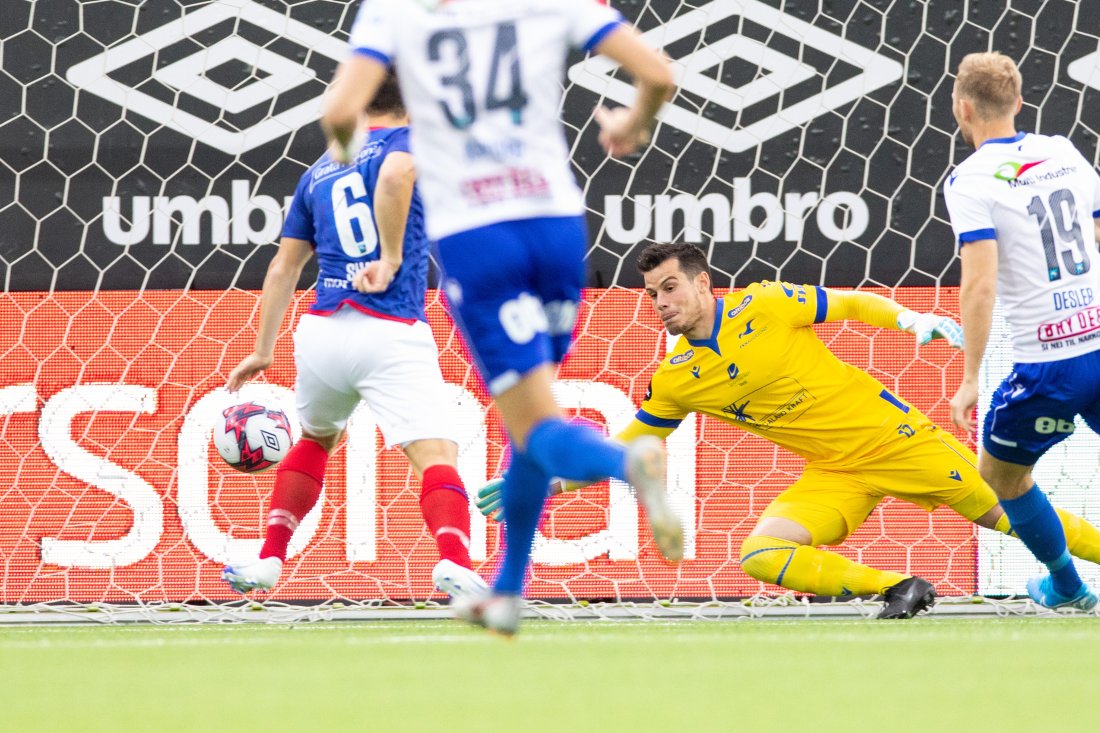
(1005,140)
(712,342)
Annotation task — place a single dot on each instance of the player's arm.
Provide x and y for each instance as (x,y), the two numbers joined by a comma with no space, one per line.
(353,87)
(392,198)
(278,290)
(876,310)
(489,498)
(624,129)
(976,293)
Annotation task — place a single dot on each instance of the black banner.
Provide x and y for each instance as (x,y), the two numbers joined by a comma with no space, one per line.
(152,145)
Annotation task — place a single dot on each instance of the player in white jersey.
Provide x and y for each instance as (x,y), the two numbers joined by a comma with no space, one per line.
(365,337)
(1025,210)
(482,79)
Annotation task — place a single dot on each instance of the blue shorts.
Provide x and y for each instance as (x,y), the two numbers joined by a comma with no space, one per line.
(514,289)
(1034,407)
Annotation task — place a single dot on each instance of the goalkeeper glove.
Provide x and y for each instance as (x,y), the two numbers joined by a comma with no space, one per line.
(928,326)
(489,499)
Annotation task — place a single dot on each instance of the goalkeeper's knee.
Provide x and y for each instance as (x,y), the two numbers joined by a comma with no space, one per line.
(766,558)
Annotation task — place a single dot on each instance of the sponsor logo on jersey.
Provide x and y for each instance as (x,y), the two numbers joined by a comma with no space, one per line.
(738,412)
(507,185)
(955,475)
(739,307)
(234,123)
(681,358)
(1013,173)
(1010,171)
(1085,322)
(732,371)
(695,371)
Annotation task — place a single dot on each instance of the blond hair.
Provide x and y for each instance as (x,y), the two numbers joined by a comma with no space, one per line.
(991,82)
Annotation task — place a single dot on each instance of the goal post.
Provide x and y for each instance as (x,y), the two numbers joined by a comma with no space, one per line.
(147,156)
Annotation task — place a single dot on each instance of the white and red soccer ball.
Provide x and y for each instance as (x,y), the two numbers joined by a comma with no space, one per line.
(253,437)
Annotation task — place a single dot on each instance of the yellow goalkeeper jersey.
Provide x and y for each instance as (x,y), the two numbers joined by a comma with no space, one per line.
(764,370)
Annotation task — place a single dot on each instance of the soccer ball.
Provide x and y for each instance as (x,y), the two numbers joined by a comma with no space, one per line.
(253,437)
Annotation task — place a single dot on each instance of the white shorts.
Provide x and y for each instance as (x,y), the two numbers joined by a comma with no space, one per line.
(392,366)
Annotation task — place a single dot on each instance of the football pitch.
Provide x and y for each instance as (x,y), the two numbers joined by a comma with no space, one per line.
(928,674)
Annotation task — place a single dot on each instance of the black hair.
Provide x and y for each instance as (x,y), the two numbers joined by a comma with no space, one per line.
(387,100)
(692,259)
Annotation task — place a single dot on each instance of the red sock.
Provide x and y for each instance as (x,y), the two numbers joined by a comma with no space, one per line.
(297,488)
(446,511)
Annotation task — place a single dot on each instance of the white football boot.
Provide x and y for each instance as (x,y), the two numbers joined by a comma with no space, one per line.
(260,574)
(455,580)
(645,468)
(498,613)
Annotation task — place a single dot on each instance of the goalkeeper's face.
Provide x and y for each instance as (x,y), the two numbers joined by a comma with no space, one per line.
(683,303)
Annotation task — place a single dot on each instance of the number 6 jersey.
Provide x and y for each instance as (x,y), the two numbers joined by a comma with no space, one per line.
(1037,196)
(333,208)
(482,82)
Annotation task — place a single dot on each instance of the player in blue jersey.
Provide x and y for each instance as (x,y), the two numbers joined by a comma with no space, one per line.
(364,338)
(1025,210)
(482,79)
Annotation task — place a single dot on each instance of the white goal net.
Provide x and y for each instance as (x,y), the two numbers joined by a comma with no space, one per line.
(147,153)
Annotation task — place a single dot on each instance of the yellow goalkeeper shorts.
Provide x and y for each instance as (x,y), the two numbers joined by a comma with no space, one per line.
(929,469)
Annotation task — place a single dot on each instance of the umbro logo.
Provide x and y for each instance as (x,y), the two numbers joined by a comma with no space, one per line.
(800,73)
(256,75)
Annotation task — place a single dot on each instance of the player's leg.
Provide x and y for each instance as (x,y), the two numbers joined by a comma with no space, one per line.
(514,289)
(406,394)
(821,508)
(975,500)
(323,411)
(1025,419)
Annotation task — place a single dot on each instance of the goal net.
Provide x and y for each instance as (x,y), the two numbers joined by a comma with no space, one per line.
(147,154)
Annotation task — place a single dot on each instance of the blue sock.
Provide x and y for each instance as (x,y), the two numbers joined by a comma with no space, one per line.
(522,498)
(1036,523)
(574,451)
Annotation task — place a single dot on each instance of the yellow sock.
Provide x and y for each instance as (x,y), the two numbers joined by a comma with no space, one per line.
(810,570)
(1082,539)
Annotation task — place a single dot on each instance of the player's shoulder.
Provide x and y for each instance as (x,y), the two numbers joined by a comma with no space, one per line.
(678,355)
(765,291)
(974,173)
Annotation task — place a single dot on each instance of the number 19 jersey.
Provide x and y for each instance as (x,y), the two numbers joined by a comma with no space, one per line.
(1037,197)
(482,82)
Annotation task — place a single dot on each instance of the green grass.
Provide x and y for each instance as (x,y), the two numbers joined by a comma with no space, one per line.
(931,674)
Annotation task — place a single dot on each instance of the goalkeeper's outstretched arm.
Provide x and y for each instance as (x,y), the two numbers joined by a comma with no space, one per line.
(875,310)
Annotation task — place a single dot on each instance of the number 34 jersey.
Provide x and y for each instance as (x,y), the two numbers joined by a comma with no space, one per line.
(1037,197)
(482,82)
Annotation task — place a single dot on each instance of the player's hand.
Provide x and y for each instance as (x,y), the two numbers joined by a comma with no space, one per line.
(620,134)
(489,500)
(344,154)
(928,326)
(249,367)
(491,503)
(375,277)
(963,404)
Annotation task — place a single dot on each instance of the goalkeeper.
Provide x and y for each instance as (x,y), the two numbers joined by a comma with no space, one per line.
(752,359)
